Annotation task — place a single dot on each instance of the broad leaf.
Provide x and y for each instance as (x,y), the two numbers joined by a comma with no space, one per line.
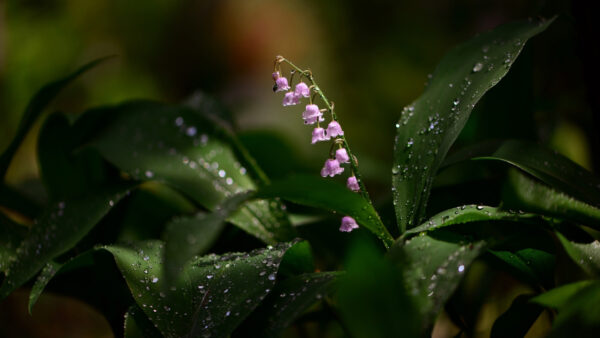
(35,107)
(59,229)
(289,299)
(51,269)
(527,194)
(189,236)
(558,297)
(137,325)
(579,316)
(517,320)
(587,256)
(428,127)
(373,299)
(532,265)
(47,273)
(434,266)
(186,150)
(467,214)
(11,235)
(325,194)
(15,201)
(66,173)
(211,297)
(546,165)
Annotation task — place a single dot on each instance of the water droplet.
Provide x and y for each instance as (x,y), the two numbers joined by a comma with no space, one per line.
(149,174)
(479,207)
(477,67)
(461,268)
(155,280)
(450,85)
(191,131)
(410,143)
(179,121)
(222,173)
(209,276)
(271,276)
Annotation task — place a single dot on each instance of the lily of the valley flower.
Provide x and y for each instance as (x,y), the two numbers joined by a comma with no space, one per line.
(290,99)
(341,155)
(302,90)
(312,114)
(348,224)
(334,129)
(318,134)
(331,168)
(282,83)
(352,183)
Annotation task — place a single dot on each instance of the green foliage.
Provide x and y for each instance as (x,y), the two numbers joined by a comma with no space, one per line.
(179,202)
(320,193)
(428,127)
(36,107)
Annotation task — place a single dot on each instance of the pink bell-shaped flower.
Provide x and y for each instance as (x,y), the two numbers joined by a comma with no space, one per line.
(334,129)
(302,90)
(341,155)
(312,114)
(290,99)
(352,183)
(348,224)
(331,168)
(318,134)
(282,84)
(275,76)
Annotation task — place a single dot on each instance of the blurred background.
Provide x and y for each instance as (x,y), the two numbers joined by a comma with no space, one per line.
(370,58)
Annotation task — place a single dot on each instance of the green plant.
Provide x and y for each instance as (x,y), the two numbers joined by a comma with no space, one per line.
(152,187)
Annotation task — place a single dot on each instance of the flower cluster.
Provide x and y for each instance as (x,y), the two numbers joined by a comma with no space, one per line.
(314,115)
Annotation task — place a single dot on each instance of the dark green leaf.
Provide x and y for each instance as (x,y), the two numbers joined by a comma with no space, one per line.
(15,201)
(325,194)
(211,297)
(186,150)
(469,213)
(580,315)
(527,194)
(137,325)
(65,173)
(559,297)
(517,320)
(434,266)
(428,127)
(289,299)
(35,107)
(11,235)
(534,266)
(149,209)
(60,228)
(189,236)
(548,166)
(587,256)
(42,280)
(51,269)
(297,260)
(373,299)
